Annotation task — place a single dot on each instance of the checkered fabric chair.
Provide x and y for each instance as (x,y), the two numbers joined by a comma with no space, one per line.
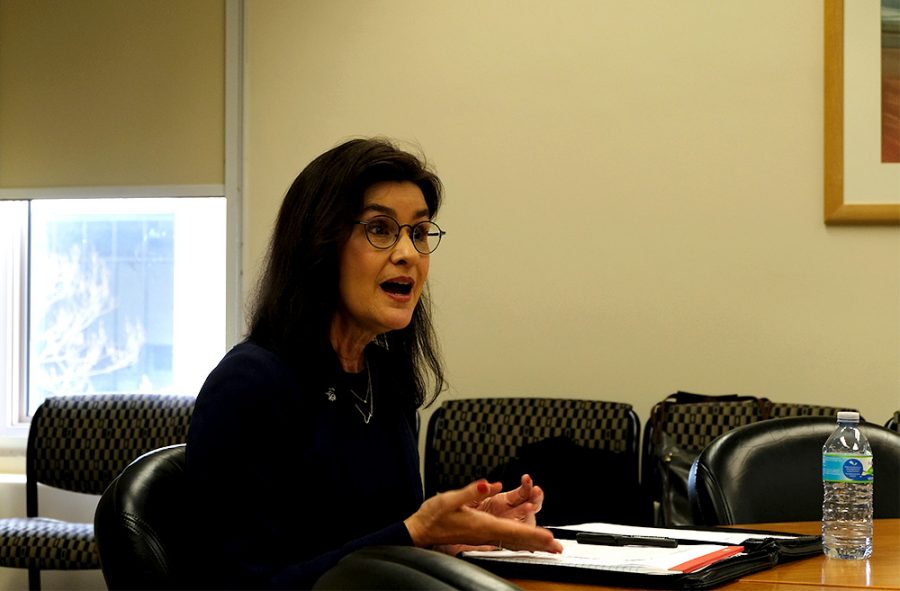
(469,439)
(80,444)
(684,424)
(781,410)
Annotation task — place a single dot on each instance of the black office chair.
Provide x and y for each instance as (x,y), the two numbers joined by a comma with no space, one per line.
(893,423)
(79,444)
(140,529)
(407,567)
(140,521)
(568,446)
(682,425)
(771,471)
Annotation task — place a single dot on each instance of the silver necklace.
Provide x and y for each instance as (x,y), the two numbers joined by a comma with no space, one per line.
(367,401)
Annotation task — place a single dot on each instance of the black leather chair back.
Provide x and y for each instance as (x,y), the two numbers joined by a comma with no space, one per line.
(140,522)
(771,471)
(406,567)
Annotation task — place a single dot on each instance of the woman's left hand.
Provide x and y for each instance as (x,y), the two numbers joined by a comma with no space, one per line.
(520,504)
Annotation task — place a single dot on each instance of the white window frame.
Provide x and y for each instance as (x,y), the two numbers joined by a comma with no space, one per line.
(13,429)
(15,299)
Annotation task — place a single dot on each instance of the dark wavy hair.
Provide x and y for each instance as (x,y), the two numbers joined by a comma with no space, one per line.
(297,293)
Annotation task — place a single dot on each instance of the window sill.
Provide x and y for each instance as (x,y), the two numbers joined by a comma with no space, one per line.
(11,467)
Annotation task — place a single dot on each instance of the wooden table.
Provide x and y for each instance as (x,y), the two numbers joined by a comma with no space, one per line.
(880,571)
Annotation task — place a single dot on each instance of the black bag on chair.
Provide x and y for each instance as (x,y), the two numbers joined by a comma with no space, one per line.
(581,484)
(678,429)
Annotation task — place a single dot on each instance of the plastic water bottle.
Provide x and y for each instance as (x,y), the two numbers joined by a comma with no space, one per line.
(847,477)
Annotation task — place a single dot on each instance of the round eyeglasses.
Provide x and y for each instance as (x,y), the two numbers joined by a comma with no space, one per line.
(383,231)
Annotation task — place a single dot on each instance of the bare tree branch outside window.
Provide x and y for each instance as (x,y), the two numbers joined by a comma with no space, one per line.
(72,342)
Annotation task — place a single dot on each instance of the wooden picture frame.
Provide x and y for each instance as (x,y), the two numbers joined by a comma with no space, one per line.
(837,211)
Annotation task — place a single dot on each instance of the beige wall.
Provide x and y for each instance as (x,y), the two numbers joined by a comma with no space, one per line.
(634,189)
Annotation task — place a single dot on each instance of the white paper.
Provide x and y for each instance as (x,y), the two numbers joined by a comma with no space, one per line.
(639,559)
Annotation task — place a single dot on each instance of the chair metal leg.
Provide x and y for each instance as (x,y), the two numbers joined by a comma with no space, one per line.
(34,579)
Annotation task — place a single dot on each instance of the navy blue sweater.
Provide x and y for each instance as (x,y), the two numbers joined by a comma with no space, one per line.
(286,478)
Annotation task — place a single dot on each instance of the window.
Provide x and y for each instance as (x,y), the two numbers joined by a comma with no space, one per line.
(109,295)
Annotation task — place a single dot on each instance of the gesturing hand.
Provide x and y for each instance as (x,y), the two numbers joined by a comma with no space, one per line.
(462,517)
(520,504)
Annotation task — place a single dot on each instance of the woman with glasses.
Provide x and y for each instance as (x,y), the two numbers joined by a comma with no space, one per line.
(303,443)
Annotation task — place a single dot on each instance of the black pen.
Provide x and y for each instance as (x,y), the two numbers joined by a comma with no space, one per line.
(622,540)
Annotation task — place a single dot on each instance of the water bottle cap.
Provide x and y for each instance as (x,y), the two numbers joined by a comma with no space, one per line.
(846,416)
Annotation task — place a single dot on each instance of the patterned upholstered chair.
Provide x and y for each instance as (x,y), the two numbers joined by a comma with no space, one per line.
(781,410)
(680,427)
(80,444)
(564,444)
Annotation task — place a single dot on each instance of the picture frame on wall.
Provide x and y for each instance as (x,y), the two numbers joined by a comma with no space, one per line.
(861,187)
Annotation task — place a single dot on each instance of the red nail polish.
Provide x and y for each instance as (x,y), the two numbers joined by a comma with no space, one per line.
(482,487)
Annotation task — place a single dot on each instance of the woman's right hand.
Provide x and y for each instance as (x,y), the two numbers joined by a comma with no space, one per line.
(451,518)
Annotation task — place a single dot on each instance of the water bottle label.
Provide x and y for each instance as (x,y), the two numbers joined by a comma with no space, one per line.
(847,468)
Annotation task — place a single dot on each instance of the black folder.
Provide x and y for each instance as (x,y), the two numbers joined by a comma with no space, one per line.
(759,554)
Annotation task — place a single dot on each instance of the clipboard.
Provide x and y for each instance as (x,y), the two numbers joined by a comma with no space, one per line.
(759,550)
